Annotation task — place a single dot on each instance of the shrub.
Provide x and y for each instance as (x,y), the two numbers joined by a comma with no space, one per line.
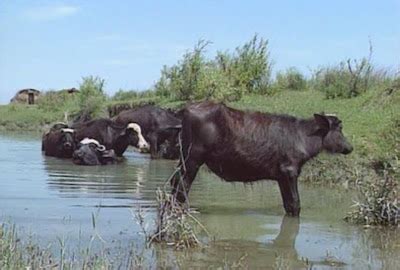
(181,81)
(378,203)
(250,67)
(346,80)
(291,79)
(227,77)
(91,98)
(175,224)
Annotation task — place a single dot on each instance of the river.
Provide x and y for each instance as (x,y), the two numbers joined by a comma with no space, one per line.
(51,199)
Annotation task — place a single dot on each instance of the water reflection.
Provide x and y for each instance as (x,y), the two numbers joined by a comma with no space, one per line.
(134,179)
(280,247)
(278,253)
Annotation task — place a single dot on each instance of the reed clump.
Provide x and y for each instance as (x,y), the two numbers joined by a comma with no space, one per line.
(175,222)
(379,200)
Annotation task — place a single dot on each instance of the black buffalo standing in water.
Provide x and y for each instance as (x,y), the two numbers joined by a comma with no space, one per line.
(91,152)
(112,135)
(59,141)
(159,127)
(251,146)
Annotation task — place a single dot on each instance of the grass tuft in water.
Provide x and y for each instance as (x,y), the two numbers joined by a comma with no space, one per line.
(379,202)
(15,255)
(176,225)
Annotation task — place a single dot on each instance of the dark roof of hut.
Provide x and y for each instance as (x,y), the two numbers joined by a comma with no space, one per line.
(28,90)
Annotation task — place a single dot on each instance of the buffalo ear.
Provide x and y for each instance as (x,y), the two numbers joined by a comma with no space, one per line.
(323,125)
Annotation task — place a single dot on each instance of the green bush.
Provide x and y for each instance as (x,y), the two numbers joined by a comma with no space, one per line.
(181,81)
(291,79)
(348,79)
(250,67)
(227,77)
(91,97)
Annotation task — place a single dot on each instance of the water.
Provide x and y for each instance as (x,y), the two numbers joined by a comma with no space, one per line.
(51,198)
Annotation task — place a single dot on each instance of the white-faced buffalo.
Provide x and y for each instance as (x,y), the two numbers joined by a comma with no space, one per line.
(112,135)
(91,152)
(59,141)
(251,146)
(158,125)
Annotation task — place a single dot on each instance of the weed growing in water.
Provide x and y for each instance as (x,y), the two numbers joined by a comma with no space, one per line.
(176,224)
(379,202)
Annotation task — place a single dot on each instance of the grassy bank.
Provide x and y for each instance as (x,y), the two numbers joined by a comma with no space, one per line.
(367,119)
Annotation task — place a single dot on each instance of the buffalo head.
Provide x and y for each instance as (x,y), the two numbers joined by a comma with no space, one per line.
(67,139)
(333,140)
(136,138)
(91,152)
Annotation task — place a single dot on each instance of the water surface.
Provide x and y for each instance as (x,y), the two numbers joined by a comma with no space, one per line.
(52,198)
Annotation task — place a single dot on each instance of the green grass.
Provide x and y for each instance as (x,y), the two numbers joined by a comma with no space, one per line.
(17,117)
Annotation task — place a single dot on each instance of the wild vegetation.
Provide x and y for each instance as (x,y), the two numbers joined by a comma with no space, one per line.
(228,76)
(176,225)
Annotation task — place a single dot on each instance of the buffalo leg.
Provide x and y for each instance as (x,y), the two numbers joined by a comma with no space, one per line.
(290,195)
(183,182)
(153,146)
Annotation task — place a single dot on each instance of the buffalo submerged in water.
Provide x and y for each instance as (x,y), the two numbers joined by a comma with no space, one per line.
(91,152)
(61,140)
(251,146)
(112,135)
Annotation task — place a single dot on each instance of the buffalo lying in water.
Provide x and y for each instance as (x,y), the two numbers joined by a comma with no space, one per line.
(158,126)
(91,152)
(112,135)
(251,146)
(59,141)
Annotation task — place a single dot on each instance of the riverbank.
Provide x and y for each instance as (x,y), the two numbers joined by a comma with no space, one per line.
(367,119)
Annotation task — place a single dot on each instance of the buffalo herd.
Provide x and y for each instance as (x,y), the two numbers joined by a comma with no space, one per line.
(238,146)
(89,142)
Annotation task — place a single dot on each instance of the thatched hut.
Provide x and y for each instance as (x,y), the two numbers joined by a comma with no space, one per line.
(26,96)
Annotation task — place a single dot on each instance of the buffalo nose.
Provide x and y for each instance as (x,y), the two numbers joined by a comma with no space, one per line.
(144,146)
(348,150)
(67,145)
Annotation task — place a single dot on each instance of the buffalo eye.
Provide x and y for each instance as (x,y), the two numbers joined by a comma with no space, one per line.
(92,145)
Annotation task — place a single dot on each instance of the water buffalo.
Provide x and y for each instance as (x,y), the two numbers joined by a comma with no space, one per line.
(112,135)
(158,125)
(91,152)
(59,141)
(54,127)
(251,146)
